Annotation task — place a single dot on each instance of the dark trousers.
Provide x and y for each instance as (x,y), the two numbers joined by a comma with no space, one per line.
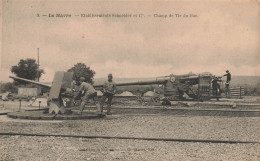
(227,84)
(227,88)
(86,98)
(105,96)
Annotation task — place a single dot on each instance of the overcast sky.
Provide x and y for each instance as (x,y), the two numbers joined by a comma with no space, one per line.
(225,35)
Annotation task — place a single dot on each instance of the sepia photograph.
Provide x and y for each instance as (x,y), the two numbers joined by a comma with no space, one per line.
(129,80)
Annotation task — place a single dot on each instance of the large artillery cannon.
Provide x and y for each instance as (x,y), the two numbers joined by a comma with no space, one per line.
(196,86)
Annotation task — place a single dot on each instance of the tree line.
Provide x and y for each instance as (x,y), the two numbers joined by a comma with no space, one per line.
(28,69)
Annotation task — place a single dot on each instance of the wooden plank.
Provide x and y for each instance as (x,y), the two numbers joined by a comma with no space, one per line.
(235,92)
(236,88)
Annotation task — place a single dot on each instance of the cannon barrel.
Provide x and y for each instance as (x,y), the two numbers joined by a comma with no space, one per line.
(148,82)
(31,81)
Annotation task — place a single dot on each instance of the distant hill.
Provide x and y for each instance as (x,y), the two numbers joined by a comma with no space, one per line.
(250,81)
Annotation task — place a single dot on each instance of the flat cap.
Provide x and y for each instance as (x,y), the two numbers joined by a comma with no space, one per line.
(81,78)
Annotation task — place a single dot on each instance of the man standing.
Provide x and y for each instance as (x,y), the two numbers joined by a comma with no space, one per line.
(216,87)
(86,91)
(228,75)
(109,89)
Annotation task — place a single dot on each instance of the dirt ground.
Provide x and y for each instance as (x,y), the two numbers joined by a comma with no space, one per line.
(50,148)
(173,127)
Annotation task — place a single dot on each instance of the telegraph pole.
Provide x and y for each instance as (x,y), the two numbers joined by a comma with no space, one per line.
(38,65)
(38,72)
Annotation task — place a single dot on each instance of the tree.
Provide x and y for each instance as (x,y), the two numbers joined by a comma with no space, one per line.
(27,69)
(81,70)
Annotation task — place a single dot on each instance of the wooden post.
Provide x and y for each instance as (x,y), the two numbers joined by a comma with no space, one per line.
(240,93)
(39,104)
(38,65)
(20,104)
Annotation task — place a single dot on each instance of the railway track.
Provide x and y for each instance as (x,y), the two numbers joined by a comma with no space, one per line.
(151,112)
(131,138)
(90,113)
(186,112)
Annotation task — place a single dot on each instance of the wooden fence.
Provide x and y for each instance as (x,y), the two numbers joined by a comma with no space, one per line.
(237,92)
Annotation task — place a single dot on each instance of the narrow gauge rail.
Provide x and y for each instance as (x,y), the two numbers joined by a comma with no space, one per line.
(187,112)
(90,113)
(149,112)
(131,138)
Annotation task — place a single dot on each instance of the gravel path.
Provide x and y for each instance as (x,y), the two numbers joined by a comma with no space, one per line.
(174,127)
(214,128)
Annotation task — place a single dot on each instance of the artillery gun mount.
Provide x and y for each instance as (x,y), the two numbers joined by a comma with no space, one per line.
(61,102)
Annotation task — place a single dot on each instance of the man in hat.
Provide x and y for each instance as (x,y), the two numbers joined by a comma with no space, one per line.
(86,91)
(228,75)
(109,89)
